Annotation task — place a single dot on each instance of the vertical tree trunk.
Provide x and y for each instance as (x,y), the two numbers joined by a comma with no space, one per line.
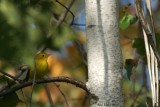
(104,53)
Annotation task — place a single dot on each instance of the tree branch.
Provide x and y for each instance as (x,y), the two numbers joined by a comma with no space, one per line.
(82,51)
(58,87)
(12,77)
(49,95)
(147,30)
(54,79)
(63,16)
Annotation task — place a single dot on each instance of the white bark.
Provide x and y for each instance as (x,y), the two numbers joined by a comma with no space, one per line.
(104,53)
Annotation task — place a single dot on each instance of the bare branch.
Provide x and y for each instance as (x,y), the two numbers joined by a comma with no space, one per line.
(33,83)
(147,30)
(81,50)
(49,95)
(8,75)
(61,19)
(54,79)
(24,97)
(58,86)
(63,16)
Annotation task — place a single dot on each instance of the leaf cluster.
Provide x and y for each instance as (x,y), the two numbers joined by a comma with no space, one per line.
(24,27)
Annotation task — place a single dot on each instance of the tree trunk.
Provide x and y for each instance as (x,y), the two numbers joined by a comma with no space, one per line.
(104,53)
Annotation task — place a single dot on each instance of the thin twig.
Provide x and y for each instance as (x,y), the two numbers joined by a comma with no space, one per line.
(49,95)
(83,54)
(58,87)
(60,92)
(85,99)
(61,19)
(16,79)
(53,79)
(82,51)
(77,24)
(24,98)
(63,16)
(33,83)
(8,75)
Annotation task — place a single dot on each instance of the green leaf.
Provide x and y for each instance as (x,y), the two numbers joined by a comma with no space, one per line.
(126,21)
(61,36)
(129,64)
(8,9)
(129,70)
(10,100)
(138,43)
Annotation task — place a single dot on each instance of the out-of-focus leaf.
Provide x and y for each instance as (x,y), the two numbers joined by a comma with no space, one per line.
(129,70)
(126,21)
(9,100)
(5,82)
(63,35)
(138,43)
(24,31)
(45,5)
(19,40)
(129,64)
(8,9)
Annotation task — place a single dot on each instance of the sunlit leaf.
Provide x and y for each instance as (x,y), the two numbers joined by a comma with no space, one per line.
(8,9)
(126,21)
(62,36)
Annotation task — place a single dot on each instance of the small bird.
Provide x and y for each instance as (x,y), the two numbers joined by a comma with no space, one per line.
(41,64)
(41,69)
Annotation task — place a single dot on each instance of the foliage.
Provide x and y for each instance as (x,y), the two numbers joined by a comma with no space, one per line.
(139,45)
(24,29)
(126,21)
(10,100)
(129,64)
(138,75)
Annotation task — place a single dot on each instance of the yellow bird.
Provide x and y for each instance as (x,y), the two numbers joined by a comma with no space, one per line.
(41,65)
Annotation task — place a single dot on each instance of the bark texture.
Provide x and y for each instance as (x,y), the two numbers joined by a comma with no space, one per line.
(104,53)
